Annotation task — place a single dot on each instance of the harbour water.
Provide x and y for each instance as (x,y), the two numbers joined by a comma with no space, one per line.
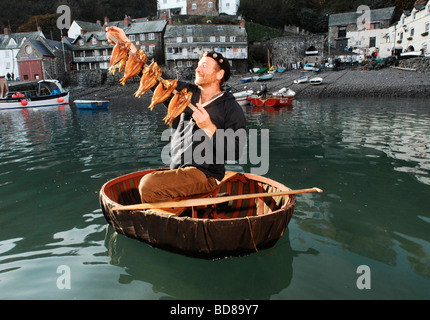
(366,237)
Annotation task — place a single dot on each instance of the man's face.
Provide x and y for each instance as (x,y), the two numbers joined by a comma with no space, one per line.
(208,72)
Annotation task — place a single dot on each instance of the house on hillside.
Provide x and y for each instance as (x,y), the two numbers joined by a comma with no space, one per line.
(77,26)
(198,7)
(91,50)
(44,59)
(10,44)
(350,31)
(185,43)
(410,34)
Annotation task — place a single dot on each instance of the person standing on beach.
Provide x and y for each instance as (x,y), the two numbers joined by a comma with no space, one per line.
(205,129)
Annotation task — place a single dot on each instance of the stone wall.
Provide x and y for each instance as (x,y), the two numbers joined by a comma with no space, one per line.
(289,50)
(421,64)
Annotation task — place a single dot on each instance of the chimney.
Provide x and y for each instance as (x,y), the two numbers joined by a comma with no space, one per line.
(39,28)
(99,22)
(107,20)
(6,31)
(170,23)
(83,31)
(127,21)
(242,23)
(165,15)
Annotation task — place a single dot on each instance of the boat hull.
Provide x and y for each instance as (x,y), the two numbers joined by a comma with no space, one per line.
(275,101)
(235,229)
(91,104)
(35,102)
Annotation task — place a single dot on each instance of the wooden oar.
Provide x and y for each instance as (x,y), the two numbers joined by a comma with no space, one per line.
(210,201)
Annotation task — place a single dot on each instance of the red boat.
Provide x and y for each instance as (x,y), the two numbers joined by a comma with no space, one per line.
(283,97)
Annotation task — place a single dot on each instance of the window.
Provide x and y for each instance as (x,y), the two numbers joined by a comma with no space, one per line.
(341,32)
(179,64)
(222,39)
(142,37)
(412,32)
(213,39)
(81,42)
(427,27)
(178,39)
(94,41)
(193,7)
(151,36)
(372,42)
(232,39)
(189,39)
(132,37)
(189,64)
(210,5)
(151,48)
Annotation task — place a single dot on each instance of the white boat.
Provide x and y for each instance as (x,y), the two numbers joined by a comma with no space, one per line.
(410,54)
(91,104)
(316,80)
(35,94)
(302,80)
(242,97)
(265,77)
(310,67)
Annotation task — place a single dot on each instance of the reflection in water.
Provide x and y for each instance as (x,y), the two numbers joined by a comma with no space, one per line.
(371,158)
(259,276)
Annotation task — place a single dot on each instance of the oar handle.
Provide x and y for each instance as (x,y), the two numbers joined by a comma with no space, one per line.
(210,201)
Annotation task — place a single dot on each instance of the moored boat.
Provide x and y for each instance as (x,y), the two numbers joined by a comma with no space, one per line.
(44,93)
(301,80)
(281,98)
(235,228)
(265,77)
(246,79)
(316,80)
(242,97)
(91,104)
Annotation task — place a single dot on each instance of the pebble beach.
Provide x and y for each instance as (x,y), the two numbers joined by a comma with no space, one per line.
(350,82)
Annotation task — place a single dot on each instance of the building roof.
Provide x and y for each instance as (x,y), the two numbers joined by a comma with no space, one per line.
(343,19)
(89,26)
(146,27)
(42,48)
(197,30)
(18,38)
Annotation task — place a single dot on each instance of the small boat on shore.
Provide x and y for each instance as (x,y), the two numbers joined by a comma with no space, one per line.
(302,80)
(92,104)
(281,98)
(34,94)
(316,81)
(311,67)
(265,77)
(246,79)
(242,97)
(234,228)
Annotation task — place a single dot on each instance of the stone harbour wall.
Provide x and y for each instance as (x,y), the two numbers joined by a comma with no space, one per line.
(421,64)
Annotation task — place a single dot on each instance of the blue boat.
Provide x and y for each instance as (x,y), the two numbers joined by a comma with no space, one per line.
(91,104)
(247,79)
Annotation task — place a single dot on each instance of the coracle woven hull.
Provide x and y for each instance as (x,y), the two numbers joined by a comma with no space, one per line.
(232,229)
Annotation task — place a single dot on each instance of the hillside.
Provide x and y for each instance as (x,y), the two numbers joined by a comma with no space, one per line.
(26,15)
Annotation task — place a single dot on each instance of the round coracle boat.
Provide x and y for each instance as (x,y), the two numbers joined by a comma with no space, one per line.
(233,228)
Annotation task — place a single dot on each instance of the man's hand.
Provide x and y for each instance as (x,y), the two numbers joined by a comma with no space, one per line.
(203,120)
